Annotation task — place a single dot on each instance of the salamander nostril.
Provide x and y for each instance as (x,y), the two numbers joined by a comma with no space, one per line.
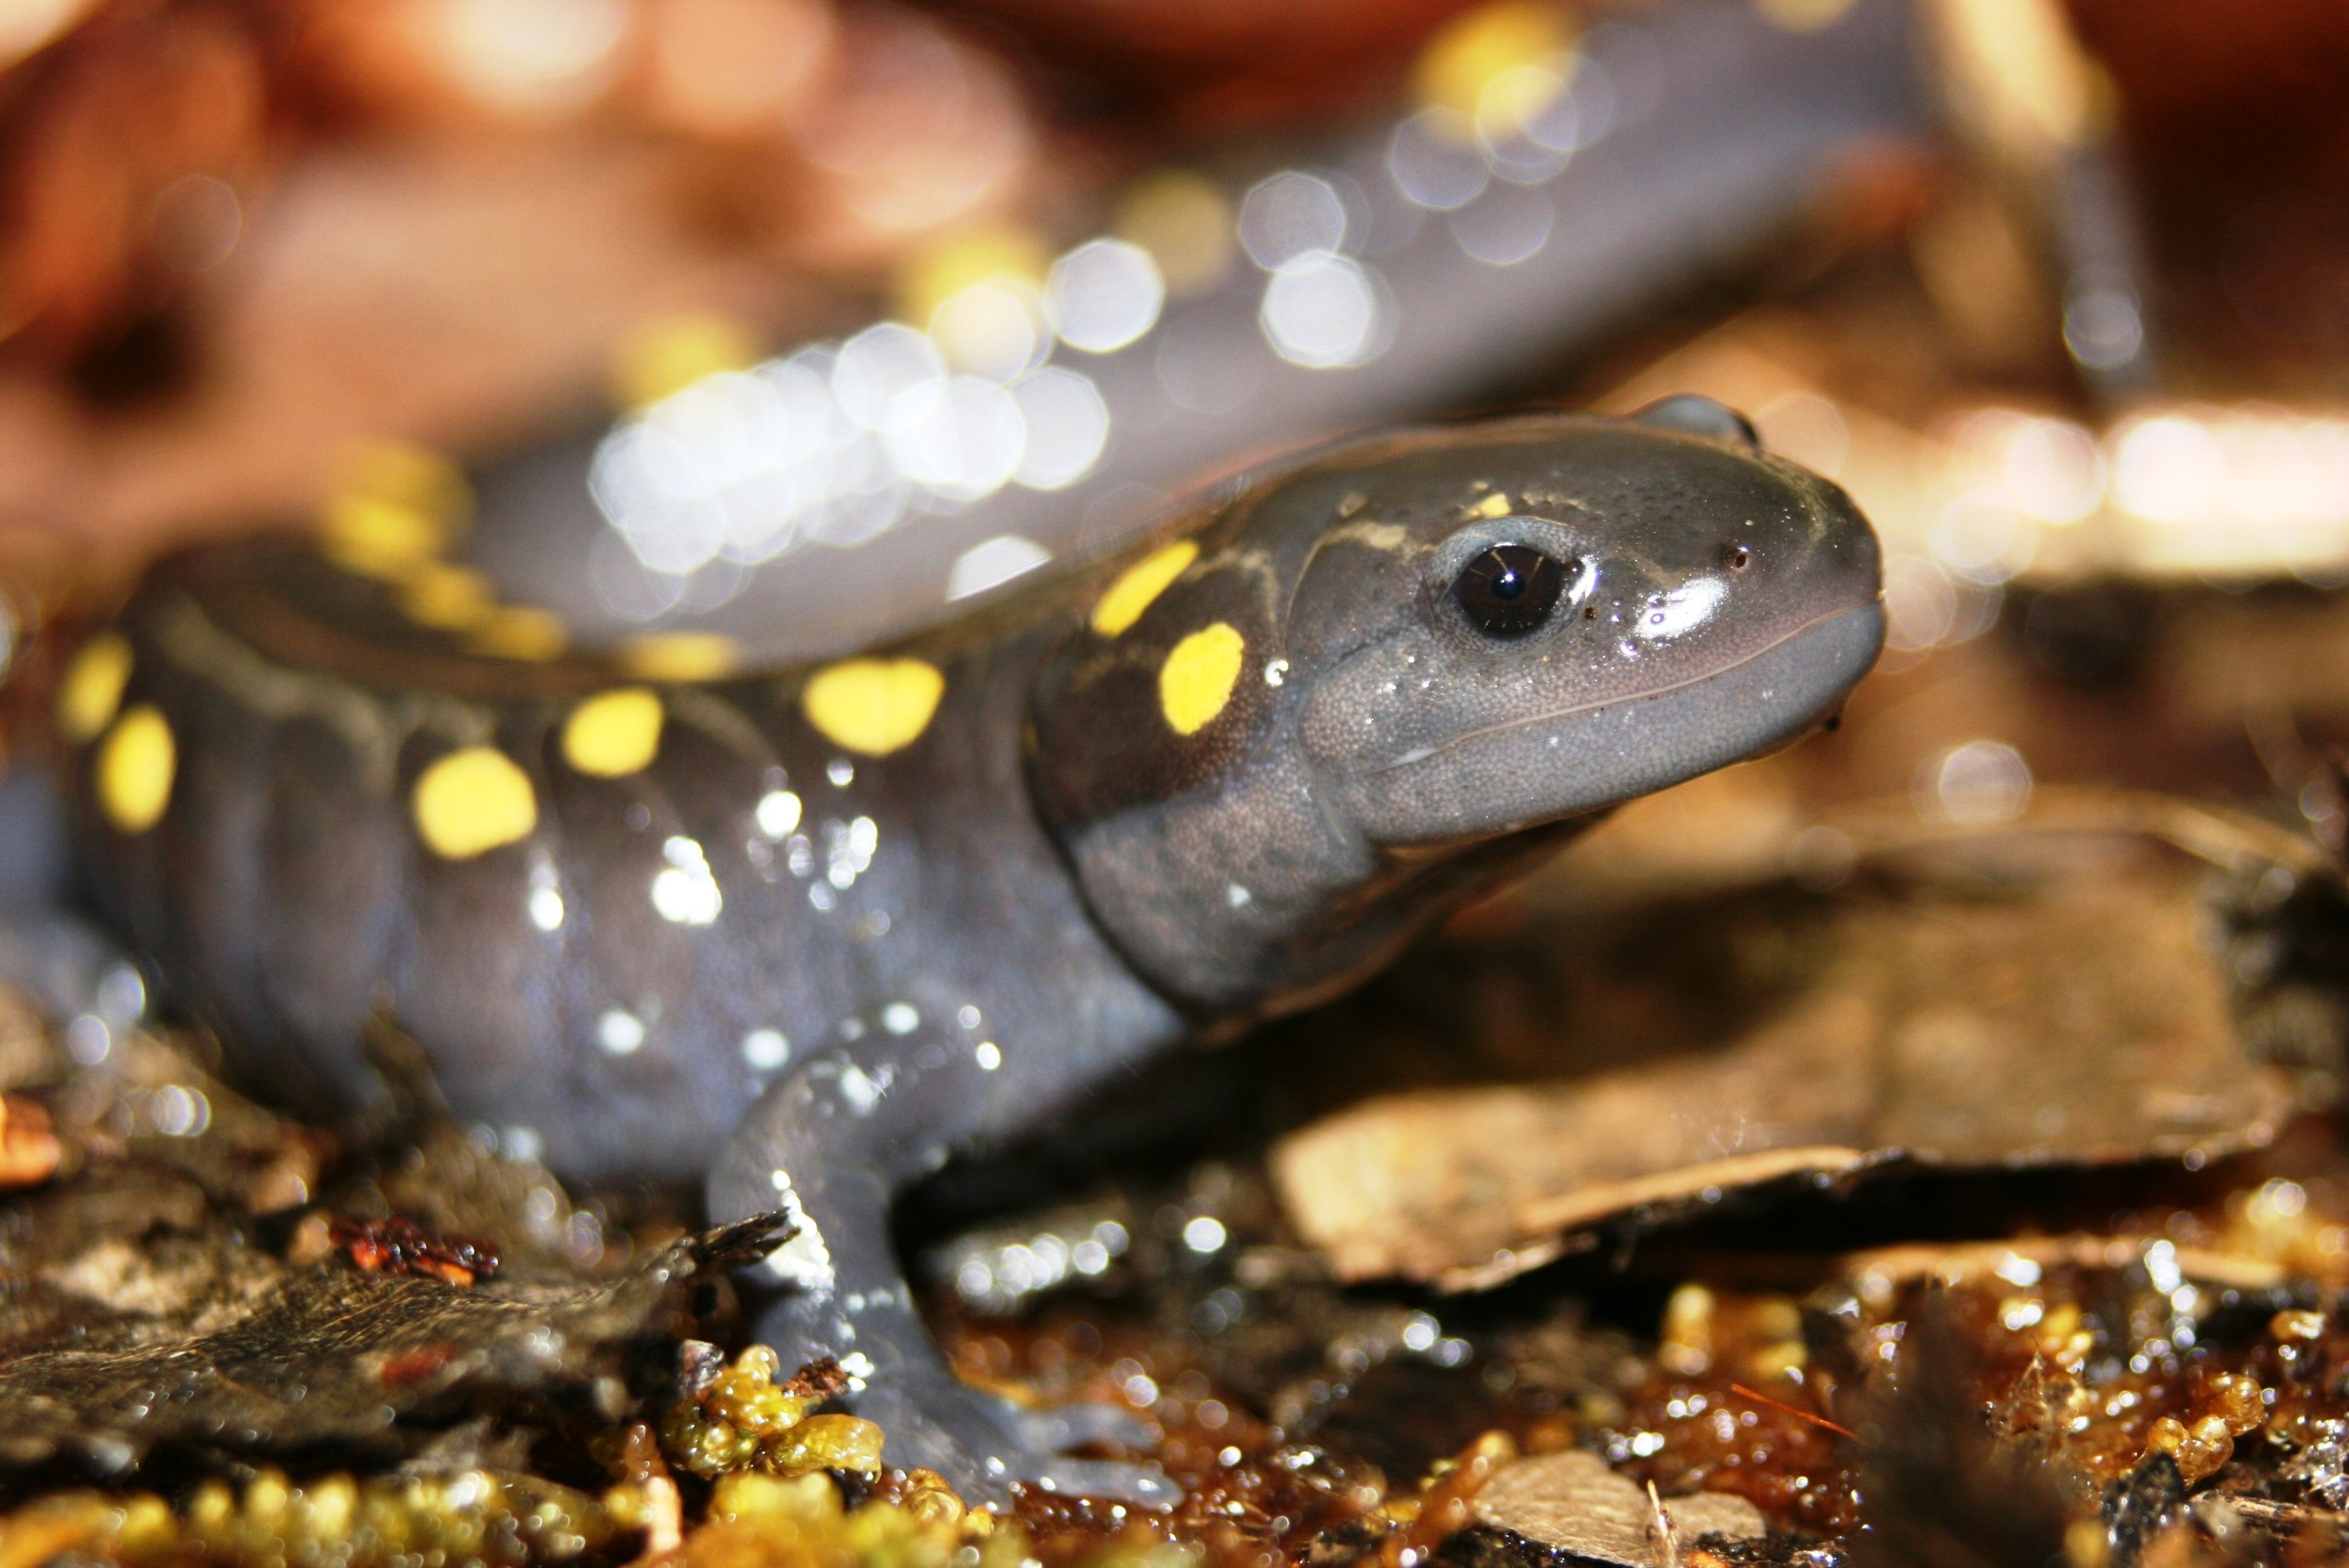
(1740,558)
(1510,590)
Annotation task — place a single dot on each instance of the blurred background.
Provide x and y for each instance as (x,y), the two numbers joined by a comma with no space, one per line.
(788,322)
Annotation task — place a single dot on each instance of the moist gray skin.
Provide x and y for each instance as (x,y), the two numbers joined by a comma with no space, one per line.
(817,975)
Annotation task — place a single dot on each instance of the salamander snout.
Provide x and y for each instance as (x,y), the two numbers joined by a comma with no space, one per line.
(1620,608)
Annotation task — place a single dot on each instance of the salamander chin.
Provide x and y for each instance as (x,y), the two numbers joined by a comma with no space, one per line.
(810,931)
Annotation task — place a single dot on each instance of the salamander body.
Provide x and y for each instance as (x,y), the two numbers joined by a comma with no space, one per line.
(812,932)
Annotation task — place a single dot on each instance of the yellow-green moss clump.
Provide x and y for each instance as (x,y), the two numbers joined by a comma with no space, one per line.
(472,1517)
(754,1520)
(746,1421)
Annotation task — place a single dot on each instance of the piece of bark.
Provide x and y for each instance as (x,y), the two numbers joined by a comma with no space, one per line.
(2033,1000)
(163,1327)
(1572,1505)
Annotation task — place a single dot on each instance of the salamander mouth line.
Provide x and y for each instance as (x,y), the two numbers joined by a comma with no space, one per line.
(1413,759)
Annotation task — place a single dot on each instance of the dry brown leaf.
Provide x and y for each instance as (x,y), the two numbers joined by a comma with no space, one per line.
(2023,999)
(1571,1503)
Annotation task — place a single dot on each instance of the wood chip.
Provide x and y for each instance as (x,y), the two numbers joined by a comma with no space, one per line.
(2046,1000)
(1571,1503)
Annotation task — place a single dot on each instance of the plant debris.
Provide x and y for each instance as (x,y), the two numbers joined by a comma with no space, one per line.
(473,1516)
(1571,1503)
(399,1246)
(113,1348)
(741,1419)
(2016,999)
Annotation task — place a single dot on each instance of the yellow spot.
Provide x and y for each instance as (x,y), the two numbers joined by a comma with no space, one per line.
(448,598)
(1803,16)
(520,632)
(376,537)
(1496,66)
(1138,587)
(1494,505)
(959,260)
(473,801)
(1184,222)
(135,765)
(670,353)
(92,689)
(409,474)
(680,656)
(874,706)
(1197,680)
(613,735)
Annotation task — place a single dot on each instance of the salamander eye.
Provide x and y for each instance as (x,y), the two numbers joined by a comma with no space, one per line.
(1510,590)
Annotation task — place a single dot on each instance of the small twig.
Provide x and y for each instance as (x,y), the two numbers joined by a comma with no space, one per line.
(1759,1397)
(1659,1525)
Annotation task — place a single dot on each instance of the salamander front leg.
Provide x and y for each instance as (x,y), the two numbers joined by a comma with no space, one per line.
(846,1298)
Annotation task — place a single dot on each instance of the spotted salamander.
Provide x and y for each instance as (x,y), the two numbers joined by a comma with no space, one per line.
(812,932)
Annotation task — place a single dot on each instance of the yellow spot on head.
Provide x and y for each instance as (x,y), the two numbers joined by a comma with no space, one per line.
(1138,587)
(1494,505)
(1496,66)
(520,632)
(448,598)
(92,689)
(874,706)
(680,656)
(973,256)
(1197,680)
(409,474)
(471,801)
(376,537)
(670,353)
(1184,222)
(613,735)
(135,765)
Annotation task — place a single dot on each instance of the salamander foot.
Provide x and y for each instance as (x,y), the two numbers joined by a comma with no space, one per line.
(983,1444)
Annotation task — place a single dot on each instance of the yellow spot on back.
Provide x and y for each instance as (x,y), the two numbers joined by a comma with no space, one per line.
(1496,67)
(670,353)
(1183,220)
(410,475)
(680,656)
(1138,587)
(973,256)
(614,734)
(1804,15)
(874,706)
(520,632)
(1494,505)
(448,598)
(471,801)
(378,537)
(92,689)
(135,765)
(1197,680)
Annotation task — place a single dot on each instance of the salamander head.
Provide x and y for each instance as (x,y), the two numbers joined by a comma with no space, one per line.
(1385,673)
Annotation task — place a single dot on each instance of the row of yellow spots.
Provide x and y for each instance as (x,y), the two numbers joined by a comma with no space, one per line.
(1197,681)
(477,799)
(1491,70)
(398,509)
(137,759)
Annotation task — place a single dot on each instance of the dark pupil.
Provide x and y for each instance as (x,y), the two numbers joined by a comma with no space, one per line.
(1510,588)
